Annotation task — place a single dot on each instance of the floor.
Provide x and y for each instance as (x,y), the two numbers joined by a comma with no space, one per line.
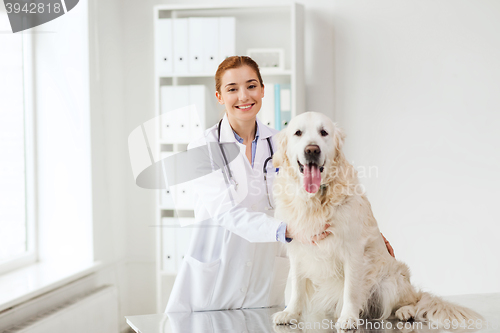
(258,320)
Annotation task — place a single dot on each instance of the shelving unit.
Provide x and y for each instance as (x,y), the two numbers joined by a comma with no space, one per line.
(257,25)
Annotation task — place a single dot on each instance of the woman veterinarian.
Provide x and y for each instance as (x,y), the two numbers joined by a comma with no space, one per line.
(236,257)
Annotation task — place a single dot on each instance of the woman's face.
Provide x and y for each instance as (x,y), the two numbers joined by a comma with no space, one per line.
(241,93)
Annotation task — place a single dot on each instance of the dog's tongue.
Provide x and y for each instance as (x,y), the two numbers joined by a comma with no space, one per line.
(312,178)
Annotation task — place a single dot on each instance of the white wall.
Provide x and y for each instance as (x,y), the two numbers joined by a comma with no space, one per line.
(412,83)
(417,92)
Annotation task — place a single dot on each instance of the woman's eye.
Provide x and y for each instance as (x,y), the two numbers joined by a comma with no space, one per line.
(252,86)
(298,133)
(231,90)
(324,133)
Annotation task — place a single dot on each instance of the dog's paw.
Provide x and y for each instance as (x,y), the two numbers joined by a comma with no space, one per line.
(406,312)
(347,322)
(285,318)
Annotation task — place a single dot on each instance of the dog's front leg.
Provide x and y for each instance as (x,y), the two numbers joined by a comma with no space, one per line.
(353,274)
(291,314)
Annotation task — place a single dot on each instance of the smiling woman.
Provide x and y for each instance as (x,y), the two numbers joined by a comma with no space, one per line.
(241,90)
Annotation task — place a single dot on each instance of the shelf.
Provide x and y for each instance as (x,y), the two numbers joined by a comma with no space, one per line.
(280,26)
(262,71)
(224,6)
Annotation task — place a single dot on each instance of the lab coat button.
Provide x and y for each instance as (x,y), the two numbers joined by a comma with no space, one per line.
(243,289)
(249,263)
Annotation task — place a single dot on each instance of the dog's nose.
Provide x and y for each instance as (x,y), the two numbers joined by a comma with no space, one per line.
(312,152)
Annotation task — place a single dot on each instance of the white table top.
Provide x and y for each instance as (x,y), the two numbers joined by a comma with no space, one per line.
(259,320)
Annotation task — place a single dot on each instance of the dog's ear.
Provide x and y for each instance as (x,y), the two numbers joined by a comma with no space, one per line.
(279,157)
(338,138)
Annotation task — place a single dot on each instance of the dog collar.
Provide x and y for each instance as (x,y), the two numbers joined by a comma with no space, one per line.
(322,187)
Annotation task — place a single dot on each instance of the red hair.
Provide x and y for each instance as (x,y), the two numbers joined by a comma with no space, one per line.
(235,62)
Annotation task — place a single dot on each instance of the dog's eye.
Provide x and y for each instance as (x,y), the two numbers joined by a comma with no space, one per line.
(298,133)
(323,132)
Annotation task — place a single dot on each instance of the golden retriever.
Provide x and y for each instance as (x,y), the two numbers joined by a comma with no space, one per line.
(349,274)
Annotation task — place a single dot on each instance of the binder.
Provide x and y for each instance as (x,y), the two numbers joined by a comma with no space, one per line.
(184,199)
(168,245)
(266,113)
(163,51)
(180,45)
(167,195)
(180,107)
(227,37)
(197,95)
(210,44)
(195,44)
(286,105)
(277,107)
(183,238)
(168,118)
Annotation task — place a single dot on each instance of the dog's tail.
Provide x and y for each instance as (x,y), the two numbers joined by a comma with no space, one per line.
(436,310)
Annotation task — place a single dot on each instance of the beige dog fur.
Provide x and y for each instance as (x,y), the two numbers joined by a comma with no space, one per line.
(350,273)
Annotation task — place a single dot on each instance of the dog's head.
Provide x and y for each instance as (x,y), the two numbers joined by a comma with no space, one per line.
(310,148)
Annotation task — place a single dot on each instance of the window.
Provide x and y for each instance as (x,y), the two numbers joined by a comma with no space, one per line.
(17,241)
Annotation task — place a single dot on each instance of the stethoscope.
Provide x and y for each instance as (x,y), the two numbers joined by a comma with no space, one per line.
(264,169)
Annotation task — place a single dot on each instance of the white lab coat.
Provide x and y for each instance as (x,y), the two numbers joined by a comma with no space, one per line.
(237,263)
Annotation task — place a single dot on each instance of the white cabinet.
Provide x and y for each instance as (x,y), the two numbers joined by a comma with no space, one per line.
(190,42)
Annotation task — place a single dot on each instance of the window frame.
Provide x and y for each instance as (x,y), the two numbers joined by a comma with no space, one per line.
(31,254)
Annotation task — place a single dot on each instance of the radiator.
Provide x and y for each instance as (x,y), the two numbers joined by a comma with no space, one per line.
(95,311)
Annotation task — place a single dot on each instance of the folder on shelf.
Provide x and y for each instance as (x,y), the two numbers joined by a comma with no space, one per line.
(210,44)
(168,245)
(197,94)
(168,118)
(181,107)
(277,106)
(227,38)
(180,45)
(286,105)
(195,44)
(163,51)
(266,113)
(167,194)
(183,238)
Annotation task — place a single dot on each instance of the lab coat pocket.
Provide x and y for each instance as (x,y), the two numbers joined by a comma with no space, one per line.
(203,279)
(280,276)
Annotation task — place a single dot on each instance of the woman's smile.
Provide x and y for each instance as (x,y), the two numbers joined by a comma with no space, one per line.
(245,107)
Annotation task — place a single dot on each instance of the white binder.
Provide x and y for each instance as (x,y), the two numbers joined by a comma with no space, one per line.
(210,44)
(286,105)
(266,113)
(181,45)
(181,103)
(227,39)
(168,245)
(195,44)
(163,41)
(184,197)
(167,195)
(197,95)
(168,118)
(183,238)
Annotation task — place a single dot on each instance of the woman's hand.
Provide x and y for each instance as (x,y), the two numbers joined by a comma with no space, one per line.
(304,240)
(389,247)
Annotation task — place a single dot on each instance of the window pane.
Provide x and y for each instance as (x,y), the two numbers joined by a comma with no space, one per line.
(13,241)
